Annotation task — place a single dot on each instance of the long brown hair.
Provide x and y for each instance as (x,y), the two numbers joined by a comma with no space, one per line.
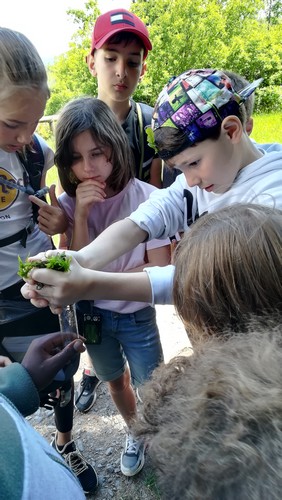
(88,113)
(229,267)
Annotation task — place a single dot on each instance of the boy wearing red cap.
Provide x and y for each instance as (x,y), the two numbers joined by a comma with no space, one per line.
(120,45)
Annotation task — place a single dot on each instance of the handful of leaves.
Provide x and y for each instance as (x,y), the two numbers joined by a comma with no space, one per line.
(59,262)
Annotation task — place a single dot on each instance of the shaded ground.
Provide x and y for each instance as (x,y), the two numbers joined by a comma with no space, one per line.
(99,434)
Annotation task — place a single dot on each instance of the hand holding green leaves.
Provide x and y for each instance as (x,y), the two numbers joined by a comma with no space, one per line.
(59,262)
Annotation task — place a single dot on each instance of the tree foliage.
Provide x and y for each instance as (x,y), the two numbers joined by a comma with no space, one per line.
(227,34)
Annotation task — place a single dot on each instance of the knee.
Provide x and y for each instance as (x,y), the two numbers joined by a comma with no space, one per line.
(121,383)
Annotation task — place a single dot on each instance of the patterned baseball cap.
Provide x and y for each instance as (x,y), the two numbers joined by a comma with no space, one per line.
(196,102)
(115,21)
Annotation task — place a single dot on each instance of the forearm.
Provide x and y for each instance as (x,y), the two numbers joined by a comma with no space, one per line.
(116,240)
(80,235)
(122,286)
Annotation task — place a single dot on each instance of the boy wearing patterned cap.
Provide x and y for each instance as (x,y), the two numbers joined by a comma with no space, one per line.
(198,127)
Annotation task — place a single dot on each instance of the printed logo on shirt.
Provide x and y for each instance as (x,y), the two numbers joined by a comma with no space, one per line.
(8,194)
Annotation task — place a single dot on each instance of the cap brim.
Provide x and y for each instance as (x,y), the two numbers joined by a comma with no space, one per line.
(145,40)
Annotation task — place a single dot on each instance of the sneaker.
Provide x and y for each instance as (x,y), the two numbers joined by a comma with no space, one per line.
(138,395)
(132,458)
(86,395)
(84,472)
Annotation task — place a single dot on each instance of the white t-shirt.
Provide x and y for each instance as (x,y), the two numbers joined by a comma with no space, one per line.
(15,214)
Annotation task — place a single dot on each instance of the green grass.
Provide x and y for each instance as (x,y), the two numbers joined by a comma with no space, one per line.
(267,128)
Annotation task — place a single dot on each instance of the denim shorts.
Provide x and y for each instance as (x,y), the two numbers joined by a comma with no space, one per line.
(131,338)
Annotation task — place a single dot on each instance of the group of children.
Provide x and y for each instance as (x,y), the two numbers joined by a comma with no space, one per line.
(117,226)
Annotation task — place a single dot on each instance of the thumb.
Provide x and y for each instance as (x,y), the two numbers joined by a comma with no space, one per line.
(52,196)
(60,359)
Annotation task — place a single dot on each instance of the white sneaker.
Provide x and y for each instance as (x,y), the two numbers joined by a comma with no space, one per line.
(132,458)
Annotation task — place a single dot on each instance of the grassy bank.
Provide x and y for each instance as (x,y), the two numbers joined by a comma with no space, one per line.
(267,128)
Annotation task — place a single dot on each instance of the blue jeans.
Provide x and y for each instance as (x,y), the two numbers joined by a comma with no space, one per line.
(132,338)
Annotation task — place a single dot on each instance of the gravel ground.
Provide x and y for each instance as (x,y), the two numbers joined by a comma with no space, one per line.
(99,434)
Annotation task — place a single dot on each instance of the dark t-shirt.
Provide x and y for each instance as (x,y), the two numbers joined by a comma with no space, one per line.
(131,126)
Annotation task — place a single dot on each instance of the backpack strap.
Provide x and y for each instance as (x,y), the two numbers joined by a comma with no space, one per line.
(33,161)
(141,136)
(144,114)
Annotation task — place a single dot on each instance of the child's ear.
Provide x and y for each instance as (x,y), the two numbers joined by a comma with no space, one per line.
(232,126)
(91,64)
(249,126)
(143,70)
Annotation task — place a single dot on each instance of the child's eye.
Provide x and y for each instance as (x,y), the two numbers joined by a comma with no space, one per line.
(8,125)
(134,64)
(75,159)
(194,163)
(109,59)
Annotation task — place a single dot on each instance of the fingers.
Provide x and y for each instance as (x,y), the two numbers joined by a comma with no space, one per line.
(53,197)
(37,201)
(48,354)
(55,309)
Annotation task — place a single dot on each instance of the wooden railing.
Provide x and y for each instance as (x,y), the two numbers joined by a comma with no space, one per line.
(51,119)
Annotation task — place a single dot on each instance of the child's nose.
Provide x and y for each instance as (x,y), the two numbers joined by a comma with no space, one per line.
(192,178)
(121,69)
(25,136)
(88,165)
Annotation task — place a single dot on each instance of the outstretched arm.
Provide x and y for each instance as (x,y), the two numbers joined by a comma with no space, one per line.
(115,241)
(79,283)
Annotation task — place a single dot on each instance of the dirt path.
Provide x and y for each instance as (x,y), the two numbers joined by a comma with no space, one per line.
(99,434)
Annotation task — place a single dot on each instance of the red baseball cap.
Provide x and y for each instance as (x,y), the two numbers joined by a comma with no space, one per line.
(117,20)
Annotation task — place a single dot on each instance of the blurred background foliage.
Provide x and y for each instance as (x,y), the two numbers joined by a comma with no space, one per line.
(244,37)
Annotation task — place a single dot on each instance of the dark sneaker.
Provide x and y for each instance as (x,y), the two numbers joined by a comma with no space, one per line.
(86,395)
(84,472)
(132,458)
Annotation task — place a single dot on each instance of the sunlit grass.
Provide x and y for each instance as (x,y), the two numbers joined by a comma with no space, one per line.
(267,128)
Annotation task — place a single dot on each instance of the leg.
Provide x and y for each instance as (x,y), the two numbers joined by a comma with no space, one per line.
(123,396)
(64,443)
(86,392)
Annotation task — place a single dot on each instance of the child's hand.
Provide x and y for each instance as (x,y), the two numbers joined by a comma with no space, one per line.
(87,194)
(51,218)
(48,354)
(46,287)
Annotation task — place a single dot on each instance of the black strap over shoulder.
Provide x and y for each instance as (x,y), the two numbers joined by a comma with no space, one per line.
(144,113)
(33,161)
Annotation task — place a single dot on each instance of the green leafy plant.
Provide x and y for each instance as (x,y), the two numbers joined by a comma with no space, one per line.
(59,262)
(151,138)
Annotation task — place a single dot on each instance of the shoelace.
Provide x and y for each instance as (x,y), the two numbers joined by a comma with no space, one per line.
(131,445)
(75,462)
(85,386)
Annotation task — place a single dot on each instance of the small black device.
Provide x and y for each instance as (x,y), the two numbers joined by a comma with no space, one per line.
(92,328)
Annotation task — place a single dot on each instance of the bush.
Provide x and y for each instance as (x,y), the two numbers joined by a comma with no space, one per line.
(268,99)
